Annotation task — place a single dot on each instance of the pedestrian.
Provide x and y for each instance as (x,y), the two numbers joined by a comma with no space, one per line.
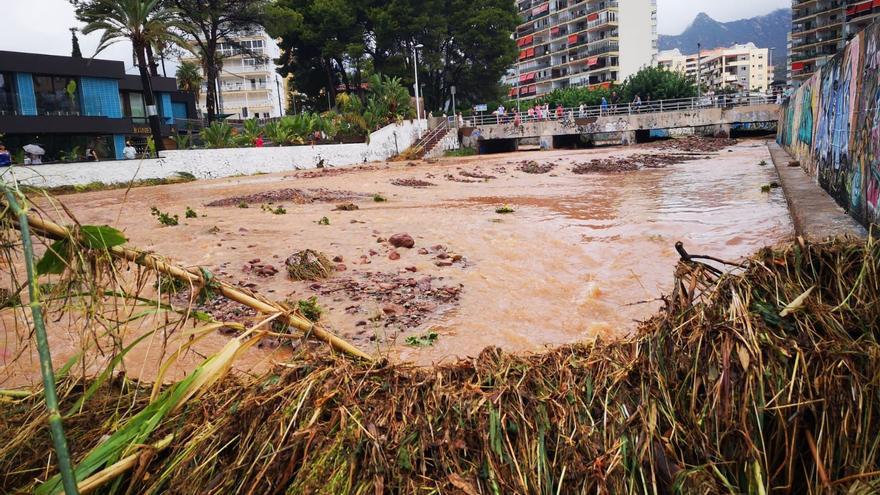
(615,99)
(559,111)
(517,121)
(129,153)
(637,103)
(460,119)
(531,113)
(603,107)
(91,154)
(5,157)
(581,111)
(546,111)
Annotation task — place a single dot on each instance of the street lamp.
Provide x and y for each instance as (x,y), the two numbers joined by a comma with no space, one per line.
(416,71)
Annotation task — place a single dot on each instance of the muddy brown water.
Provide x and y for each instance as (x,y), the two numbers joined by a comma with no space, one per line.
(582,255)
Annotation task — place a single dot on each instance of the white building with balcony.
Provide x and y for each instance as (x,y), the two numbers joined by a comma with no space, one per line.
(564,43)
(742,67)
(248,86)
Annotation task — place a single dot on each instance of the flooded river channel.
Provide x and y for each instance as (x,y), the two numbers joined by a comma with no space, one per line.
(580,256)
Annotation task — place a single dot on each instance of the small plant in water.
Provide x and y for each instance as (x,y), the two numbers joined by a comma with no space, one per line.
(324,221)
(243,205)
(190,213)
(762,163)
(503,210)
(425,340)
(310,309)
(164,218)
(278,210)
(379,198)
(765,188)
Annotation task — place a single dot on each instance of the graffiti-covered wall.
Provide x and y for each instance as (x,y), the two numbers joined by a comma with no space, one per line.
(831,124)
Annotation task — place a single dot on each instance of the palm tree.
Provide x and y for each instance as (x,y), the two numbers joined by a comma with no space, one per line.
(189,77)
(144,23)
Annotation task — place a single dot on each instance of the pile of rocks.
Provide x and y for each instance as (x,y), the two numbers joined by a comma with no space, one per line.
(533,167)
(412,183)
(297,196)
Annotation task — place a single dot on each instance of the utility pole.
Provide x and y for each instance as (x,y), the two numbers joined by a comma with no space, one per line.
(699,73)
(517,87)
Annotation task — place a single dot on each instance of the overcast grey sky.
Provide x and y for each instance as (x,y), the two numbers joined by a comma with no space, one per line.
(41,26)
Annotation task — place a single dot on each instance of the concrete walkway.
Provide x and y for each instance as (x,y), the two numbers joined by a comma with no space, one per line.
(814,213)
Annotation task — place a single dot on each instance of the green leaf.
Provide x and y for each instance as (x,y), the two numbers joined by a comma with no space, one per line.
(102,236)
(54,261)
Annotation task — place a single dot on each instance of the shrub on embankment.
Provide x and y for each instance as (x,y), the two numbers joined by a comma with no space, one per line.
(751,382)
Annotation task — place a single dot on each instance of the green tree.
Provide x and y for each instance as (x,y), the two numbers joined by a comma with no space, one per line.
(75,51)
(207,22)
(189,78)
(658,83)
(143,23)
(465,43)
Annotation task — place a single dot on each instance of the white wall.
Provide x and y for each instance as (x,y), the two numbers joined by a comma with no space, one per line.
(204,164)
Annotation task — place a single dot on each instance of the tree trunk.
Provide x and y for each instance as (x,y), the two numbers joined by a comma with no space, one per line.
(154,67)
(149,99)
(211,81)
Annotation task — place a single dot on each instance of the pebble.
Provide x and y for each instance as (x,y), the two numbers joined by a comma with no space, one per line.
(394,256)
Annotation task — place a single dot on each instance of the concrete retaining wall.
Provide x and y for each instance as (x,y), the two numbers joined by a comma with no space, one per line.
(213,163)
(719,117)
(831,125)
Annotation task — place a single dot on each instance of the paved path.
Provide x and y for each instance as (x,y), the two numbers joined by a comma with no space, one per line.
(815,214)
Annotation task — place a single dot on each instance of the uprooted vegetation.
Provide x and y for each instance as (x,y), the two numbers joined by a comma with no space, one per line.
(758,380)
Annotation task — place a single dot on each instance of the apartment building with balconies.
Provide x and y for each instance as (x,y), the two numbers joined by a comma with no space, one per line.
(821,28)
(741,67)
(248,86)
(564,43)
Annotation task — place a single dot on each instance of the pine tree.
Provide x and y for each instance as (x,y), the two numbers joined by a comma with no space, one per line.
(75,51)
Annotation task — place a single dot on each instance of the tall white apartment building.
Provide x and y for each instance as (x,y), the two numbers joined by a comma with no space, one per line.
(249,86)
(565,43)
(741,67)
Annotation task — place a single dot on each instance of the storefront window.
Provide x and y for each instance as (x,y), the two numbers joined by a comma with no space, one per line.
(57,95)
(7,94)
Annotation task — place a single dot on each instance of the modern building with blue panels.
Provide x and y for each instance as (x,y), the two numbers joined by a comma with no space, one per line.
(67,105)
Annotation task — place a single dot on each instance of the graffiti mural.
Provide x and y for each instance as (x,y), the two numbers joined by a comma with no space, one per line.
(831,124)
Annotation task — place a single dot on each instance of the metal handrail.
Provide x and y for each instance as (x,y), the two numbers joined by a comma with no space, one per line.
(646,107)
(420,145)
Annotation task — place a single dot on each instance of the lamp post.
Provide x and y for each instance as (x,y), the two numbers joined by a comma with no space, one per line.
(454,118)
(416,71)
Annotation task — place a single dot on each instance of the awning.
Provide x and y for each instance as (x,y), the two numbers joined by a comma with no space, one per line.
(592,17)
(541,9)
(592,61)
(797,66)
(572,39)
(527,77)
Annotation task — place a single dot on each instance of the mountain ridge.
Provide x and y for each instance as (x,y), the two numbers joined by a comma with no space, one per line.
(766,31)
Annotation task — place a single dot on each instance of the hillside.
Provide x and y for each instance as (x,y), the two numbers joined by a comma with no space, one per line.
(767,31)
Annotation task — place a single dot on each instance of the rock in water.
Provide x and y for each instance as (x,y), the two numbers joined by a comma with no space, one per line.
(402,241)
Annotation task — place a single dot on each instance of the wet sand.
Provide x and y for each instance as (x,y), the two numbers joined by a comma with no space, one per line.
(581,256)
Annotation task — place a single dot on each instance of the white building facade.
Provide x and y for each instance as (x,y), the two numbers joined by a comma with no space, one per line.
(249,86)
(742,67)
(565,43)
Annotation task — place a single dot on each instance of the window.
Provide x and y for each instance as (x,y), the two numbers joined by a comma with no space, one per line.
(133,105)
(7,93)
(57,95)
(244,113)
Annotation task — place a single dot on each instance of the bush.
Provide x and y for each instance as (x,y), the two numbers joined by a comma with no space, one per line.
(217,135)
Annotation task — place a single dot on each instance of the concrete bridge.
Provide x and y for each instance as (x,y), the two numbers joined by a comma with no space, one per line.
(626,124)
